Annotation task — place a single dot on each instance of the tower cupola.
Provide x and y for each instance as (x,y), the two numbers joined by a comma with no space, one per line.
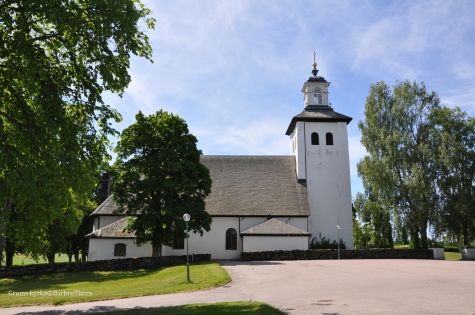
(315,91)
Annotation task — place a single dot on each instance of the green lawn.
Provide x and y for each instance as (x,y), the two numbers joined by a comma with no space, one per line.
(228,308)
(21,260)
(73,287)
(453,256)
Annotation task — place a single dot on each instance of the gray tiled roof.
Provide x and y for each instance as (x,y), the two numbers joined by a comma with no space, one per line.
(255,186)
(113,230)
(318,115)
(275,227)
(248,186)
(107,207)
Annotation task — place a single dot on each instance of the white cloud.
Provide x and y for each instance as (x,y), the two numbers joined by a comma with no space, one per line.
(233,69)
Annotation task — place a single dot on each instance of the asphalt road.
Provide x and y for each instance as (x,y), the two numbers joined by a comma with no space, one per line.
(321,287)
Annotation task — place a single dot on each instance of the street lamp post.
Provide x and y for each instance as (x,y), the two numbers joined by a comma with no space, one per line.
(186,218)
(338,227)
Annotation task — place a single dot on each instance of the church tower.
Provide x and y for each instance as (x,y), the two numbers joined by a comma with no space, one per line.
(319,142)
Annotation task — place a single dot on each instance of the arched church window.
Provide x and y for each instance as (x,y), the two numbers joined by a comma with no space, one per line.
(120,249)
(317,97)
(315,138)
(231,239)
(329,138)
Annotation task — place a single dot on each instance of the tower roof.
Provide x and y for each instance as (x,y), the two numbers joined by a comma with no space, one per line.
(318,115)
(316,79)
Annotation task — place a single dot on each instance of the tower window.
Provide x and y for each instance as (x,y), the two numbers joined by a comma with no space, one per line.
(231,239)
(120,249)
(329,138)
(317,97)
(315,138)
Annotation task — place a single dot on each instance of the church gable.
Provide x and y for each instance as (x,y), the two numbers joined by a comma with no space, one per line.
(276,228)
(107,207)
(114,230)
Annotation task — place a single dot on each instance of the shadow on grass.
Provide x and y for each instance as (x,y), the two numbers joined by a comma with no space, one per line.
(49,281)
(92,310)
(228,308)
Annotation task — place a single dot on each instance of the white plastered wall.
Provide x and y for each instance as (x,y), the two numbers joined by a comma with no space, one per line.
(308,89)
(103,248)
(212,242)
(105,220)
(297,137)
(328,182)
(259,243)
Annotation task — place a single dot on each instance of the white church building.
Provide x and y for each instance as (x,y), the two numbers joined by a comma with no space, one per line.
(262,202)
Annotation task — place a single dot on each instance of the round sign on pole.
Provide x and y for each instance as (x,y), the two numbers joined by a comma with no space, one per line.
(186,217)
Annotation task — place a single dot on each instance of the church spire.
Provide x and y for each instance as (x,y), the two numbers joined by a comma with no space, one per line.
(314,71)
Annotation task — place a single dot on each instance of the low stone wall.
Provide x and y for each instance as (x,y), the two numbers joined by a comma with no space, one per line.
(314,254)
(103,265)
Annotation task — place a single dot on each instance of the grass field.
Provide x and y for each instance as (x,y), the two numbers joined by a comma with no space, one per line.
(453,256)
(228,308)
(20,260)
(73,287)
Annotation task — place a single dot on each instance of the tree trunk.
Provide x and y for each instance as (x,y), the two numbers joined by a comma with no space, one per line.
(76,254)
(9,253)
(465,231)
(70,257)
(415,240)
(157,250)
(84,254)
(7,205)
(425,244)
(50,257)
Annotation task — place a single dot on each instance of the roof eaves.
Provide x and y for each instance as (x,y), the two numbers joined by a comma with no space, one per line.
(274,234)
(294,120)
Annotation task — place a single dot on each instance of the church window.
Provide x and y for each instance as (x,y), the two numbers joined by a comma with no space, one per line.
(317,97)
(315,138)
(231,239)
(120,249)
(178,243)
(329,138)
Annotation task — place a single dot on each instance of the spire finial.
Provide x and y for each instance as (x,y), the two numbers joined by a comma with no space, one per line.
(314,71)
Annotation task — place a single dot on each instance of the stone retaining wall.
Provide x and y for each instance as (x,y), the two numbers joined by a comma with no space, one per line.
(313,254)
(103,265)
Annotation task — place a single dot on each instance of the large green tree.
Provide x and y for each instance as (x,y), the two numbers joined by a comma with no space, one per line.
(400,170)
(457,173)
(57,57)
(158,177)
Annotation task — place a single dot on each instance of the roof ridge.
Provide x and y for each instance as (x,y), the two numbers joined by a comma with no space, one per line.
(101,205)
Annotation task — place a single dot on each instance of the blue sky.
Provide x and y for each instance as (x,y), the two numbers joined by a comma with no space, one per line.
(234,69)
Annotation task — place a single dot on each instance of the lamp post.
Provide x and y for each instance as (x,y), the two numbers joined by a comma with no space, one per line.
(186,218)
(338,227)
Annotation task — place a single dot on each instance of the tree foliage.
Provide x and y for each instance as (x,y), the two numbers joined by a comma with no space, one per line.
(57,58)
(400,170)
(420,169)
(158,177)
(376,231)
(457,173)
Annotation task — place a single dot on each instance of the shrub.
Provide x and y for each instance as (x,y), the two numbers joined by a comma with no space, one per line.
(452,249)
(325,243)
